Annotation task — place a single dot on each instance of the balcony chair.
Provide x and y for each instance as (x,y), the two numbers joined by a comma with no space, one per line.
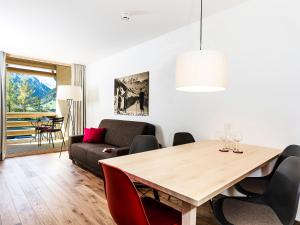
(55,126)
(126,207)
(255,186)
(40,124)
(277,206)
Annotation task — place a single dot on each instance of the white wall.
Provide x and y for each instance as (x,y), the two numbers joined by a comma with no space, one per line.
(262,41)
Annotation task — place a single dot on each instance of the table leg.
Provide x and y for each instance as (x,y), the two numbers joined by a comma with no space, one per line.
(189,213)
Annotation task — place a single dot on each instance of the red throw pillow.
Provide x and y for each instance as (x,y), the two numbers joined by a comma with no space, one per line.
(94,135)
(86,135)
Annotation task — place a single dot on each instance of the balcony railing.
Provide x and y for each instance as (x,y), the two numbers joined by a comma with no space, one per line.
(19,125)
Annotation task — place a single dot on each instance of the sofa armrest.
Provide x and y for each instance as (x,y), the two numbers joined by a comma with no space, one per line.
(75,139)
(72,140)
(120,151)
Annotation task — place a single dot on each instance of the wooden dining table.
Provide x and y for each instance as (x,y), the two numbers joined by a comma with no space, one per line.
(193,173)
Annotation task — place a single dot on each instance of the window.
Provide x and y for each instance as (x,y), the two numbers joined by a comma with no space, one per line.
(30,93)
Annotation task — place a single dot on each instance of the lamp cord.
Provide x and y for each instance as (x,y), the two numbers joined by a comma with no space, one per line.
(201,12)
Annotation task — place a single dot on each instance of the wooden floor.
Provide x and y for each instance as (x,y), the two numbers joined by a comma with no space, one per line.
(44,189)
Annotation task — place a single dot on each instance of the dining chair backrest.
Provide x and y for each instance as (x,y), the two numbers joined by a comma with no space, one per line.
(283,191)
(123,200)
(57,122)
(182,138)
(291,150)
(143,143)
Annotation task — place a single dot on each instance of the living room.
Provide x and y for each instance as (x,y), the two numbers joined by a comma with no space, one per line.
(129,63)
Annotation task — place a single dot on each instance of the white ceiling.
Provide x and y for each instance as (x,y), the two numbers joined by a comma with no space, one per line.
(81,31)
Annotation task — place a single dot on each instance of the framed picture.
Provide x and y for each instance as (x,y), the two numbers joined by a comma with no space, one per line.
(131,95)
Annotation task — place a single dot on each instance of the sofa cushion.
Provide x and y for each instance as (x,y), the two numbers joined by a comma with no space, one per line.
(94,135)
(94,155)
(79,150)
(121,133)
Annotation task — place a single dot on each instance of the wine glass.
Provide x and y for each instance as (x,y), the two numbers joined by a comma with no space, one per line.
(237,138)
(221,136)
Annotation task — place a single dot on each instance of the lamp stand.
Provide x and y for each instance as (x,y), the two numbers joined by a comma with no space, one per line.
(70,118)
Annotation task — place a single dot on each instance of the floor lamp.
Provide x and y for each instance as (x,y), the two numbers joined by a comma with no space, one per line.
(70,94)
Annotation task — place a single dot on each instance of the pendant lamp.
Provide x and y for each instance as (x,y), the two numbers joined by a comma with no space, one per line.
(201,70)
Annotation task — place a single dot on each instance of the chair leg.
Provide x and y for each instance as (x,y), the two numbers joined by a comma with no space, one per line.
(35,134)
(39,138)
(51,139)
(156,195)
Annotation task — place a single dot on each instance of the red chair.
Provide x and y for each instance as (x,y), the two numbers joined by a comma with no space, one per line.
(127,208)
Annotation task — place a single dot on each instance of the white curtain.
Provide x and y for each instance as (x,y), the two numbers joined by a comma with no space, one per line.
(79,108)
(2,106)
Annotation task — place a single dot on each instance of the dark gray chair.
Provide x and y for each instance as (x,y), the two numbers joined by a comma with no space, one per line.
(143,143)
(255,186)
(277,206)
(182,138)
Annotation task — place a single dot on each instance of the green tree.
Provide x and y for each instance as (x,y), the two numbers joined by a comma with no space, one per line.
(37,104)
(25,98)
(12,93)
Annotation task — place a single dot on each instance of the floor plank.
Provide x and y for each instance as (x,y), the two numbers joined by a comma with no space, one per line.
(8,213)
(48,190)
(21,203)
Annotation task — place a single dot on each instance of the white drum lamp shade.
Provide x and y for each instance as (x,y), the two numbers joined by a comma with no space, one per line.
(69,92)
(201,71)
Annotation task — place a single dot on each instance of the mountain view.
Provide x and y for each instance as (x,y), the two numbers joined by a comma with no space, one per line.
(29,93)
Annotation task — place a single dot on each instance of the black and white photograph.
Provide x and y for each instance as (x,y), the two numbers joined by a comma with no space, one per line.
(131,95)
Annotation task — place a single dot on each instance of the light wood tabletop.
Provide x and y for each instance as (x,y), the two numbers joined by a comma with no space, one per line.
(193,173)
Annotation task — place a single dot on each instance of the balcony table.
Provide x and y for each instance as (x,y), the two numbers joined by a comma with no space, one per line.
(193,173)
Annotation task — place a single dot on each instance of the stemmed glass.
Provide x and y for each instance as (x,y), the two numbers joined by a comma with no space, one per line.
(221,136)
(237,138)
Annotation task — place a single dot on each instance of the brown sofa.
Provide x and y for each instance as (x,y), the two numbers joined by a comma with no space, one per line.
(119,135)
